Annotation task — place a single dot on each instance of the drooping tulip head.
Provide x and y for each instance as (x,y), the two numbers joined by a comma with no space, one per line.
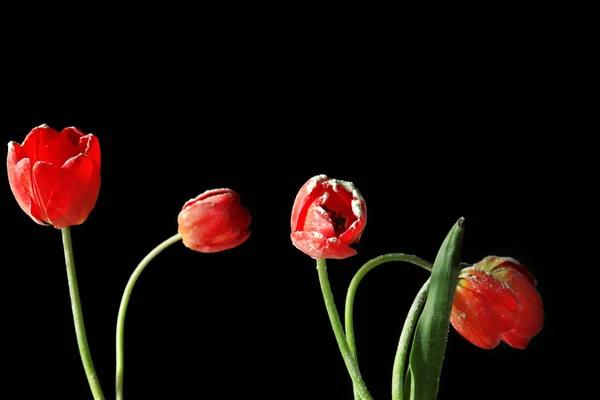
(496,299)
(328,215)
(55,176)
(214,221)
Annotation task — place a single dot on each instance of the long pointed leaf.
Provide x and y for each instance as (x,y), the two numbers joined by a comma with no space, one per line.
(429,342)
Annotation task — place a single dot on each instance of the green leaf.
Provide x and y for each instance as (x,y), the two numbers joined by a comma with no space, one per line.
(429,341)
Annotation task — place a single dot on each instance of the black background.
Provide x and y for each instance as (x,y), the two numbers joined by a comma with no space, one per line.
(428,134)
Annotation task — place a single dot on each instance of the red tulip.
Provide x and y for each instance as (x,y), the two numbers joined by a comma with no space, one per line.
(496,299)
(54,176)
(214,221)
(328,215)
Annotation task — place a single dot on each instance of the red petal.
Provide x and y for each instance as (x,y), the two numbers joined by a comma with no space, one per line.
(340,200)
(75,193)
(348,201)
(45,177)
(500,299)
(204,221)
(472,318)
(226,200)
(317,220)
(74,136)
(491,263)
(532,312)
(240,217)
(318,246)
(215,247)
(19,177)
(216,195)
(312,189)
(88,145)
(516,341)
(209,227)
(45,144)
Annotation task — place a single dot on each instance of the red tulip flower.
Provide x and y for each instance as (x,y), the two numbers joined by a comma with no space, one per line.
(327,217)
(496,299)
(214,221)
(55,176)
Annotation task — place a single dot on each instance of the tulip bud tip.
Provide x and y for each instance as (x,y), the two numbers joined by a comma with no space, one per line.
(461,221)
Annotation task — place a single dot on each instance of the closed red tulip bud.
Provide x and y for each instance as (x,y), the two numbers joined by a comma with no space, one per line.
(214,221)
(327,217)
(55,176)
(496,299)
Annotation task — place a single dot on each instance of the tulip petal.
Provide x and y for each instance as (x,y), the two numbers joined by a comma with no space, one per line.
(225,200)
(500,299)
(19,177)
(341,201)
(532,313)
(351,205)
(312,189)
(318,246)
(318,220)
(46,144)
(473,319)
(75,136)
(514,340)
(213,247)
(45,177)
(207,225)
(203,221)
(515,265)
(75,193)
(224,196)
(240,218)
(492,263)
(89,145)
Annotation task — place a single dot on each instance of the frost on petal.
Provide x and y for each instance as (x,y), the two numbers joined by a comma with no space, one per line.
(318,246)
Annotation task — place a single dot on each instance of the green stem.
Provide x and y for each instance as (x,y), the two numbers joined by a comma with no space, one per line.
(369,265)
(404,343)
(82,342)
(338,331)
(123,308)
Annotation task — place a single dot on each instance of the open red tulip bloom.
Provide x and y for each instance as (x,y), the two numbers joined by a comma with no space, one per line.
(55,176)
(328,215)
(496,299)
(214,221)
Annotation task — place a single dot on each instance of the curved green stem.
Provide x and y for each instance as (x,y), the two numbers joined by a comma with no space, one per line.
(404,343)
(123,308)
(82,342)
(369,265)
(338,331)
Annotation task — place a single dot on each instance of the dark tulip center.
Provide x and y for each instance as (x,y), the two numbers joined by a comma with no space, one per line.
(338,220)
